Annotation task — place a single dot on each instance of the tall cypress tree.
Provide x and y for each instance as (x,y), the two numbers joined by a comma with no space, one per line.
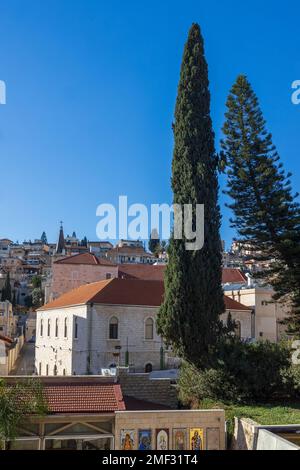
(189,317)
(6,290)
(266,213)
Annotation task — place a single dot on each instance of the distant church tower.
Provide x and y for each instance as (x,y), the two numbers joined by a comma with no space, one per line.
(60,246)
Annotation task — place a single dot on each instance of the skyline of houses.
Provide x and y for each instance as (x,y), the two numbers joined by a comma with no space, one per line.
(71,264)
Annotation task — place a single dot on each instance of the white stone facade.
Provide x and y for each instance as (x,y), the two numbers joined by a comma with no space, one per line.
(93,349)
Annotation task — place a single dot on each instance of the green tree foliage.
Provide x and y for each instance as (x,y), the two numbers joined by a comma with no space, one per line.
(154,242)
(6,293)
(243,373)
(44,238)
(189,317)
(84,242)
(17,401)
(266,213)
(37,296)
(36,281)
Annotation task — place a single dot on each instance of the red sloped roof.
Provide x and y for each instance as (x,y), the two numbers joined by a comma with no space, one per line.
(122,292)
(142,271)
(231,304)
(85,258)
(112,291)
(83,398)
(233,276)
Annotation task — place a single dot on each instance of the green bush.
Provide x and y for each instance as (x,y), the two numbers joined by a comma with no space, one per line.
(242,372)
(196,386)
(291,380)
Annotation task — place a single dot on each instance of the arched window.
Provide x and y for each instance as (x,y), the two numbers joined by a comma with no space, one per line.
(76,328)
(56,328)
(66,328)
(148,368)
(237,328)
(64,372)
(113,328)
(149,327)
(41,328)
(49,327)
(55,370)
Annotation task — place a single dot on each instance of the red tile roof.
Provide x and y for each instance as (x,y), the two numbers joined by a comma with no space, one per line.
(231,304)
(142,271)
(233,276)
(85,258)
(112,291)
(83,397)
(121,292)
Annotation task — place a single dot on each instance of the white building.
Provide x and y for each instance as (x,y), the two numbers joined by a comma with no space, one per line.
(99,325)
(106,323)
(268,313)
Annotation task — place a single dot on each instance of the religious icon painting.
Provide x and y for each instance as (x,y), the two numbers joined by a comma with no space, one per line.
(179,439)
(127,439)
(144,440)
(162,439)
(196,439)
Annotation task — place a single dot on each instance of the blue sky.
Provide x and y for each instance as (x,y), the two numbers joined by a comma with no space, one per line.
(91,88)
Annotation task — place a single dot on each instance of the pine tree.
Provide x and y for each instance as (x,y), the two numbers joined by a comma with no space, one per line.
(189,317)
(84,242)
(6,293)
(266,213)
(44,238)
(154,242)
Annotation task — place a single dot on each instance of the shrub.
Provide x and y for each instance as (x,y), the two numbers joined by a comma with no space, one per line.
(242,372)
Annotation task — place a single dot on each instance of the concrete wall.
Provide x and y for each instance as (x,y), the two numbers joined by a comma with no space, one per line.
(249,435)
(245,434)
(269,441)
(212,422)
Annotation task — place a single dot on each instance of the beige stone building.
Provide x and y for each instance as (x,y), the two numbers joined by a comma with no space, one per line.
(73,271)
(268,313)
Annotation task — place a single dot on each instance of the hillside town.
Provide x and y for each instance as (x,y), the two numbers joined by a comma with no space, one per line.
(125,282)
(163,314)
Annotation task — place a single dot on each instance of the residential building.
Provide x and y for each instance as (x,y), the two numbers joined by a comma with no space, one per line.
(74,271)
(268,313)
(99,248)
(127,253)
(107,323)
(8,321)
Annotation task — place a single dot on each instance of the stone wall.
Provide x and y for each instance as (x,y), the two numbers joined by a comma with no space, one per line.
(245,434)
(9,357)
(69,276)
(210,422)
(142,387)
